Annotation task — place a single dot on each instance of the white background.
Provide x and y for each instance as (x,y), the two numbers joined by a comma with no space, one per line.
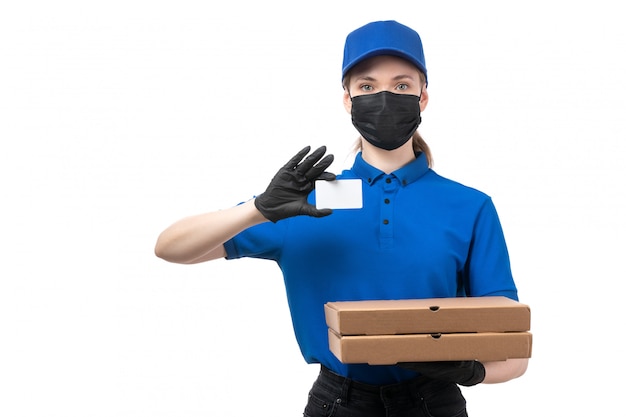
(118,118)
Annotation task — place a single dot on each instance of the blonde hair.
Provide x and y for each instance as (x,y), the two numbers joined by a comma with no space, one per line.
(419,144)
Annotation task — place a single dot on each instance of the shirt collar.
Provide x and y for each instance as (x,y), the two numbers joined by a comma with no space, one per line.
(406,175)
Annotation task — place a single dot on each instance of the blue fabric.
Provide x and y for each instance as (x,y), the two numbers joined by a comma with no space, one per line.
(383,38)
(418,235)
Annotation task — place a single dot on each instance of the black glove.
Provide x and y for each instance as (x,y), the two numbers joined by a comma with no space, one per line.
(466,373)
(286,196)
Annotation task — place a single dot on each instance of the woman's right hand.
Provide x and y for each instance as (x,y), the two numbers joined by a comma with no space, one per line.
(286,195)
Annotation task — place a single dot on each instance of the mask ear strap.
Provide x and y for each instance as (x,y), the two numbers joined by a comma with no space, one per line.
(422,92)
(347,89)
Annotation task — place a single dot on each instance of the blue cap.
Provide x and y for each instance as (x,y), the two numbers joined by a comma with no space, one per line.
(383,38)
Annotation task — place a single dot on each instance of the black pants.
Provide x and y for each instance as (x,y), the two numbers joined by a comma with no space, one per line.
(336,396)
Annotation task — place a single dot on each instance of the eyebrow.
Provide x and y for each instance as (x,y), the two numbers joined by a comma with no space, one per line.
(396,78)
(403,76)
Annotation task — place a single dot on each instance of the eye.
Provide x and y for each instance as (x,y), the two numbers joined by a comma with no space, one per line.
(366,87)
(402,87)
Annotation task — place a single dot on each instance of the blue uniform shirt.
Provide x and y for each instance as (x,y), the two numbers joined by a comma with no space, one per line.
(418,235)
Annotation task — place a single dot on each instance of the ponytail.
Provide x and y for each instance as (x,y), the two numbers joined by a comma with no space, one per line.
(420,145)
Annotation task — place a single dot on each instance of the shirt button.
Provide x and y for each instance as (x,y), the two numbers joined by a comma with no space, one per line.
(385,221)
(386,201)
(388,180)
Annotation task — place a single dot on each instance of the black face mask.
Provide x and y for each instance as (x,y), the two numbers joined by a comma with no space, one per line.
(386,120)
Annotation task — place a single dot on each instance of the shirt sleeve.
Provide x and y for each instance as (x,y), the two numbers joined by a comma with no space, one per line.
(488,268)
(263,241)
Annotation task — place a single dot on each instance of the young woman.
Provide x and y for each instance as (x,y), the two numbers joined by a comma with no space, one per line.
(417,235)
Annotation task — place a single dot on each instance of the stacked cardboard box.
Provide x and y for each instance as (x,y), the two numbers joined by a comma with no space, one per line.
(382,332)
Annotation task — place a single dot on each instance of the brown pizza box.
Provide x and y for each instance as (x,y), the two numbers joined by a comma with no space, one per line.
(431,315)
(391,349)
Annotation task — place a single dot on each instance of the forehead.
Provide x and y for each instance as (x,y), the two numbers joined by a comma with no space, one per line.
(384,64)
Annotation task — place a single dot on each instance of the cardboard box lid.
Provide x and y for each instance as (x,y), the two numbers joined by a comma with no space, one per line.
(391,349)
(431,315)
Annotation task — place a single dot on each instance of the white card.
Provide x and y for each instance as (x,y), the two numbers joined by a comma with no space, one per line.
(339,194)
